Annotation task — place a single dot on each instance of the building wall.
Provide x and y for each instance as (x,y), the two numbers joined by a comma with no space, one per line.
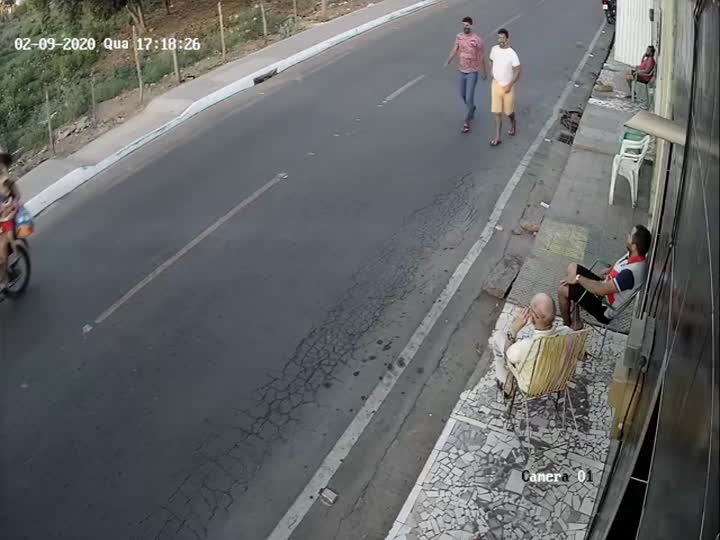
(633,30)
(682,493)
(682,375)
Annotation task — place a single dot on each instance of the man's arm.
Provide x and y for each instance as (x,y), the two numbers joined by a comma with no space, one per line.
(483,64)
(517,325)
(598,288)
(453,52)
(517,70)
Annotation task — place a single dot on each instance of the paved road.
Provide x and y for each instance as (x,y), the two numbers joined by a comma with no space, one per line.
(201,406)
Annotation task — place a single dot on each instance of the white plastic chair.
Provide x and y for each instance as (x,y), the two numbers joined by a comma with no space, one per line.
(627,163)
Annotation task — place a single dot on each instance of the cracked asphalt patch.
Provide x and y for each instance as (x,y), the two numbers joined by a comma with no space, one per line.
(227,461)
(203,407)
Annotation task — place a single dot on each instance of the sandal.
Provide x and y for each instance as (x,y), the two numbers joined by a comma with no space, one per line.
(511,132)
(465,128)
(496,142)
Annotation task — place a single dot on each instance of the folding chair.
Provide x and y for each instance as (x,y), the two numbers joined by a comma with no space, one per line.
(556,358)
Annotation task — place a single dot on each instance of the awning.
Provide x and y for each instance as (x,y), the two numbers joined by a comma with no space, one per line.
(657,126)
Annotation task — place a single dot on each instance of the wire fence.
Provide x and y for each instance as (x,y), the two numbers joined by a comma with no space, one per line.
(62,106)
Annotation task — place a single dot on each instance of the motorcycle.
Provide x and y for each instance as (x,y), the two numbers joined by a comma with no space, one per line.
(610,9)
(18,262)
(18,269)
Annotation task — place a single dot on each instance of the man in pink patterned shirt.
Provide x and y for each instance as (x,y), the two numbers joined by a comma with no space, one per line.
(470,48)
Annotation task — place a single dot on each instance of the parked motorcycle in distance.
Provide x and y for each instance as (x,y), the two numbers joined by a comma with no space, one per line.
(610,9)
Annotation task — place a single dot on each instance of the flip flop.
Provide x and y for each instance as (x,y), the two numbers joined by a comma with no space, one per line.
(465,128)
(511,132)
(496,142)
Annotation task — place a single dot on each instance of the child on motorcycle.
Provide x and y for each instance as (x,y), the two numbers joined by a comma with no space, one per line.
(9,205)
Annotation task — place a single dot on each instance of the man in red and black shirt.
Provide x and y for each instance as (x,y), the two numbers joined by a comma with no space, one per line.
(602,296)
(644,72)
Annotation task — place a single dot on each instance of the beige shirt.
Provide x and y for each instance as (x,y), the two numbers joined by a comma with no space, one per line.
(522,356)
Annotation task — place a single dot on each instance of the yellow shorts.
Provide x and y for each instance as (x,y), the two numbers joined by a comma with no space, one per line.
(502,102)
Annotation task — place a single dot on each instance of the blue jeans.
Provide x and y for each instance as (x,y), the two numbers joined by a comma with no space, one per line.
(468,82)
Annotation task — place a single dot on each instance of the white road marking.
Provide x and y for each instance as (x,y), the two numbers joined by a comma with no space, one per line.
(352,433)
(403,88)
(194,242)
(511,20)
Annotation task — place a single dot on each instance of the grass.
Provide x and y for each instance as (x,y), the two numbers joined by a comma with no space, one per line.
(25,75)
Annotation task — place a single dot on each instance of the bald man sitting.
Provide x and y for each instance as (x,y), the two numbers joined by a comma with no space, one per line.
(507,348)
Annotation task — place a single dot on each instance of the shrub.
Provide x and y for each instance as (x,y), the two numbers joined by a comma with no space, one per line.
(156,67)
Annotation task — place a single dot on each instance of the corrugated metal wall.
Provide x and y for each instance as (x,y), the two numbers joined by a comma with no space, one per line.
(633,30)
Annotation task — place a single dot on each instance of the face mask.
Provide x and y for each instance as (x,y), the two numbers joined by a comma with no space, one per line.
(466,30)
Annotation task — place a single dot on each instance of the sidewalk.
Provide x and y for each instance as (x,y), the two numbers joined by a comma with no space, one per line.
(472,486)
(162,113)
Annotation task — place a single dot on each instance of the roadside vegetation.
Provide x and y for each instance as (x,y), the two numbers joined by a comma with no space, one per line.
(26,75)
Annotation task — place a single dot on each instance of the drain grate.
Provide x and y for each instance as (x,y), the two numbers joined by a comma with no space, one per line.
(264,77)
(566,138)
(570,120)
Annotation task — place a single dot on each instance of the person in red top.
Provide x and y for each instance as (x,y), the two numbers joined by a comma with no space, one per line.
(9,204)
(644,72)
(470,48)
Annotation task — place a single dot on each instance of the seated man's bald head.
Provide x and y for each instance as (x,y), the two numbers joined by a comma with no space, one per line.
(543,307)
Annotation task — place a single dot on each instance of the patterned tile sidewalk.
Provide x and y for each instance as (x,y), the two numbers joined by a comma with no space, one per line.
(475,483)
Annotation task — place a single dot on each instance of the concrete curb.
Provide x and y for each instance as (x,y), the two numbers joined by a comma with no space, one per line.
(78,177)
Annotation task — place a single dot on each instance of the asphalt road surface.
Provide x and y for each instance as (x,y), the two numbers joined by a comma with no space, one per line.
(323,219)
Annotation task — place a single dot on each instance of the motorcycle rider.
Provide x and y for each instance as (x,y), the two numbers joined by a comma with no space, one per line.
(9,205)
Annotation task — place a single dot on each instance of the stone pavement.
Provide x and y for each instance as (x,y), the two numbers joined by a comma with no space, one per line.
(472,486)
(165,108)
(580,225)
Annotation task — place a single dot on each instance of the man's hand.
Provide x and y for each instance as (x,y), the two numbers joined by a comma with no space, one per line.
(520,322)
(570,280)
(484,76)
(508,88)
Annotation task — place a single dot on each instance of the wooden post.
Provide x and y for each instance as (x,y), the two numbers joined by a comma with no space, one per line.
(176,64)
(264,22)
(222,32)
(137,62)
(93,99)
(295,11)
(49,122)
(323,9)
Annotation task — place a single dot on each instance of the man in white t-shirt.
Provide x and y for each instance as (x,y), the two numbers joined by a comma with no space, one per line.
(506,69)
